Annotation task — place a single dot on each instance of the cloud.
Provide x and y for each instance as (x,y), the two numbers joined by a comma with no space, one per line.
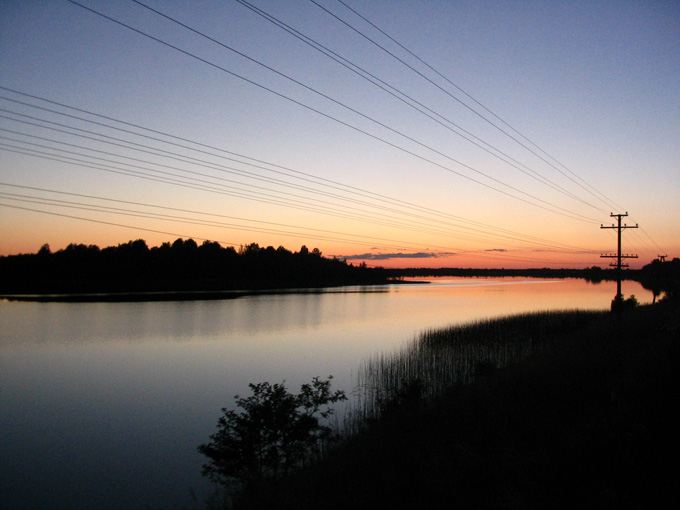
(497,249)
(388,256)
(577,252)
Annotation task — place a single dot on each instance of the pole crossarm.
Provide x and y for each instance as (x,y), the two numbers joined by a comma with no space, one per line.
(619,256)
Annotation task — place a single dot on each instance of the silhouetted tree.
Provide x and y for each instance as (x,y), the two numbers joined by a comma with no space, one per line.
(180,265)
(249,249)
(593,274)
(211,246)
(620,305)
(661,276)
(275,432)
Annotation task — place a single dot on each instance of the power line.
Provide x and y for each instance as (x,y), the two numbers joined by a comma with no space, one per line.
(178,219)
(184,235)
(186,159)
(222,151)
(167,178)
(555,209)
(399,202)
(411,102)
(197,185)
(601,196)
(203,164)
(116,224)
(310,231)
(247,193)
(381,124)
(353,67)
(314,179)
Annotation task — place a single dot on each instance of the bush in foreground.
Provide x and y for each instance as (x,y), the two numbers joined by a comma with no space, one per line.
(274,432)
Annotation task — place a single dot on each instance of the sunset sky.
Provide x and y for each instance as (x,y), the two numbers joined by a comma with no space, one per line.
(402,134)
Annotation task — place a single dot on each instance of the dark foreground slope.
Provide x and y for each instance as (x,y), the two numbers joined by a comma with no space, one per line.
(590,424)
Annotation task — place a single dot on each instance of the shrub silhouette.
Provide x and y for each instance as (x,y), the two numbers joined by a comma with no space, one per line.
(275,432)
(621,305)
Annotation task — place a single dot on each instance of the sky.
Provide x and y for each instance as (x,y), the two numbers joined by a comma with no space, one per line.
(399,134)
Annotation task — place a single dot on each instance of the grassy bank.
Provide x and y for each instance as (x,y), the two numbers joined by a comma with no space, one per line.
(586,419)
(442,359)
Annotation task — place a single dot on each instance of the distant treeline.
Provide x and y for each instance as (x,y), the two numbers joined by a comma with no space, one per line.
(180,266)
(594,274)
(659,277)
(662,277)
(186,266)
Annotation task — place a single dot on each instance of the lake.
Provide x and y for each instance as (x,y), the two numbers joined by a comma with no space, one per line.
(102,405)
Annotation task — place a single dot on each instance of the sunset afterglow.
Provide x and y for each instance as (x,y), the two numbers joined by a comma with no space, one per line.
(396,134)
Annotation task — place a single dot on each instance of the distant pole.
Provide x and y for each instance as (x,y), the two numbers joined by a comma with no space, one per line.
(619,256)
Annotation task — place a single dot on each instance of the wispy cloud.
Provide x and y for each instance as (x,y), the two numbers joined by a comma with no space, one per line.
(580,252)
(497,249)
(388,256)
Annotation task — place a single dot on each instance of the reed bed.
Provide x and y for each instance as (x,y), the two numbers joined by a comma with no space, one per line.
(439,359)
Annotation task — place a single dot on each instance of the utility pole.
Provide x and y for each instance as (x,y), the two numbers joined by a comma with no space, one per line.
(619,256)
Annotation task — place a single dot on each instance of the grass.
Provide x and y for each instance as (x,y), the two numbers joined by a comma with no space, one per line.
(441,359)
(560,410)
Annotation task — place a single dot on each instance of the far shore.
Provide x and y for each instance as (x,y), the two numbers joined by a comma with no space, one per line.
(198,295)
(192,291)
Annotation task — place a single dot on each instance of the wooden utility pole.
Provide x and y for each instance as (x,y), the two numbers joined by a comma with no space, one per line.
(619,256)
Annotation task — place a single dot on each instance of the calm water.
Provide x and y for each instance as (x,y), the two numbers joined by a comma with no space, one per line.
(102,405)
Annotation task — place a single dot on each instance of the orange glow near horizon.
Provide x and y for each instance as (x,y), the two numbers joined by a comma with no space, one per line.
(110,135)
(27,241)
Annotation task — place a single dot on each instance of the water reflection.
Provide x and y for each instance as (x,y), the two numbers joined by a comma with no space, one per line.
(103,404)
(412,306)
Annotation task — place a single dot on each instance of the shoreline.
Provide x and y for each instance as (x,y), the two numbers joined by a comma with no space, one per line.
(587,422)
(197,295)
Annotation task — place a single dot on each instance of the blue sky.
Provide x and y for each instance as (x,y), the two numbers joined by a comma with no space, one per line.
(596,85)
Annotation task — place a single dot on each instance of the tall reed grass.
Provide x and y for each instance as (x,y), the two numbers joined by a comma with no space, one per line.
(437,360)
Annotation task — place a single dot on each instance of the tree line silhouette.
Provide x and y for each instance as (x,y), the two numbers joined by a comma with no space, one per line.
(593,274)
(186,266)
(179,266)
(657,276)
(662,277)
